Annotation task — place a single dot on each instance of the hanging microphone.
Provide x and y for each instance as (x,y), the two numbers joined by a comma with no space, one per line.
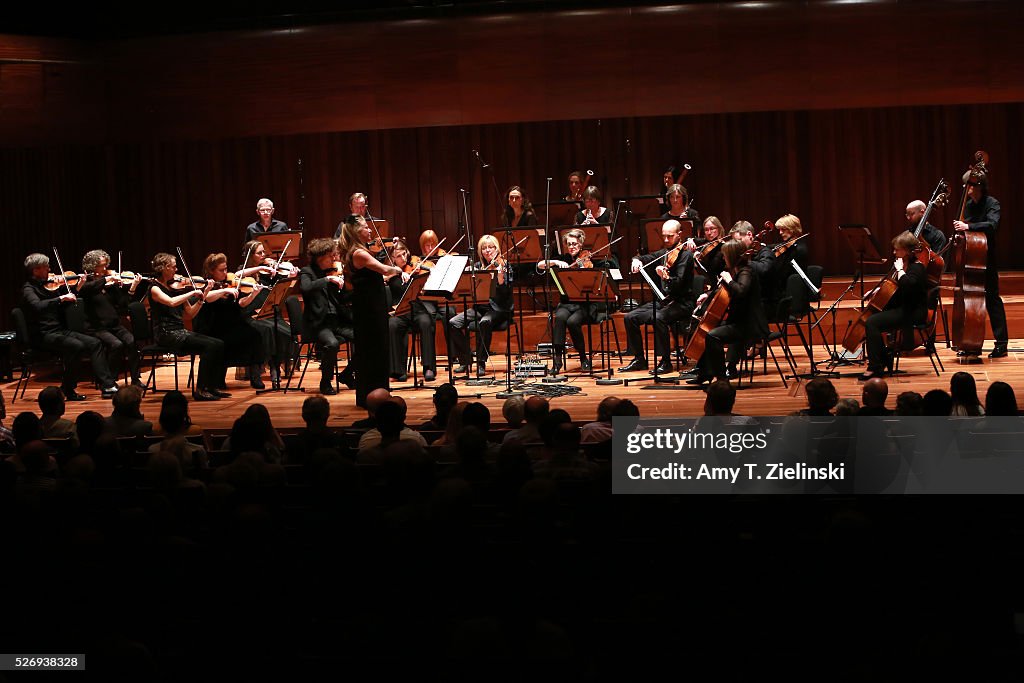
(463,191)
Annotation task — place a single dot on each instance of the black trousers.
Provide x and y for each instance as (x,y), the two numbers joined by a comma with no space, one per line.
(398,329)
(874,326)
(715,358)
(485,321)
(329,340)
(571,317)
(120,344)
(994,305)
(211,355)
(70,346)
(644,315)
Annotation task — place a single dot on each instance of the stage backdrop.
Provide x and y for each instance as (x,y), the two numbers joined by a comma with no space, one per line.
(840,113)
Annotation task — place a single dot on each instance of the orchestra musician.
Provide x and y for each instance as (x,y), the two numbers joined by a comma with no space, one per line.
(268,272)
(929,233)
(46,312)
(356,207)
(576,185)
(789,228)
(105,298)
(165,304)
(907,307)
(676,280)
(266,221)
(495,315)
(370,359)
(593,213)
(574,315)
(518,209)
(679,205)
(423,315)
(982,214)
(745,323)
(223,317)
(711,262)
(327,316)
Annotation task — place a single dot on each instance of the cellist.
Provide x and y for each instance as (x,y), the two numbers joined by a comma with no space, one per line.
(907,307)
(746,322)
(982,214)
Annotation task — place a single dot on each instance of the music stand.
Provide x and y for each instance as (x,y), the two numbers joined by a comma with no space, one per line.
(403,307)
(579,285)
(644,206)
(560,213)
(595,237)
(862,243)
(274,243)
(652,232)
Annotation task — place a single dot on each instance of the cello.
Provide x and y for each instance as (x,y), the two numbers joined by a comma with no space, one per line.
(933,262)
(970,262)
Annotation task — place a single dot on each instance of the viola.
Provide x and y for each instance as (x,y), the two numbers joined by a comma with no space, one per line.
(182,282)
(584,260)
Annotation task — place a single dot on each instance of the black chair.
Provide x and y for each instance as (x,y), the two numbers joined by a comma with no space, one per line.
(142,330)
(305,349)
(27,355)
(923,335)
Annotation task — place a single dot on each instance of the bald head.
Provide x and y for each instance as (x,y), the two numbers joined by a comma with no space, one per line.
(375,399)
(915,210)
(536,409)
(606,407)
(875,392)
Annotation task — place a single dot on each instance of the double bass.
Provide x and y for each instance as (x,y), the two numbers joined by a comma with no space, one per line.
(933,262)
(970,262)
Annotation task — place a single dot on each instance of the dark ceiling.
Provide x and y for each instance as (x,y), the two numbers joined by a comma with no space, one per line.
(87,21)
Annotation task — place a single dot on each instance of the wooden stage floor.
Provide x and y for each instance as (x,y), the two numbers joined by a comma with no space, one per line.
(765,396)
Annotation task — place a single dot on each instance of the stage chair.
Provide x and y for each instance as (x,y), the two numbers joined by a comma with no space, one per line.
(142,330)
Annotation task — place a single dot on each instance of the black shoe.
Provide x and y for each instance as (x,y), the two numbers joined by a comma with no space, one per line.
(689,374)
(256,382)
(662,368)
(731,372)
(556,366)
(998,352)
(327,389)
(700,379)
(73,395)
(429,375)
(109,392)
(585,364)
(275,374)
(870,374)
(347,378)
(219,394)
(481,370)
(459,369)
(400,378)
(635,366)
(204,395)
(137,382)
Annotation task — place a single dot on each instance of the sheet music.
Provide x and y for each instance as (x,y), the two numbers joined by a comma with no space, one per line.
(444,276)
(655,287)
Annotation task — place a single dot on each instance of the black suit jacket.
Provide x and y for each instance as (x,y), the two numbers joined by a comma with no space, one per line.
(319,295)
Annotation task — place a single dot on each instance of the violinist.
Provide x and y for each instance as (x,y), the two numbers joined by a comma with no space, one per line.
(356,207)
(423,315)
(761,259)
(268,272)
(266,221)
(573,315)
(518,209)
(495,315)
(327,313)
(223,317)
(746,321)
(370,358)
(166,301)
(593,213)
(907,307)
(982,213)
(708,249)
(105,299)
(428,243)
(46,308)
(674,268)
(679,205)
(789,228)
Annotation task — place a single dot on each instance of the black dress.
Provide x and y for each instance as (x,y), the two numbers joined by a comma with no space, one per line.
(370,320)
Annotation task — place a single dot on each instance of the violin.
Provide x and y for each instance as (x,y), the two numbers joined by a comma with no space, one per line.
(55,281)
(182,282)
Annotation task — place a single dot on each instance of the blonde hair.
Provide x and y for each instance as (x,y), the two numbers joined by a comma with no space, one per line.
(350,240)
(715,221)
(791,223)
(487,240)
